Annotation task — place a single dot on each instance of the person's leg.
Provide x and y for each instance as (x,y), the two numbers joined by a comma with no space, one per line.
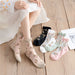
(15,45)
(30,52)
(33,16)
(25,27)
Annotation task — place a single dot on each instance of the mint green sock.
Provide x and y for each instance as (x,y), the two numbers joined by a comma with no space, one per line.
(51,48)
(57,44)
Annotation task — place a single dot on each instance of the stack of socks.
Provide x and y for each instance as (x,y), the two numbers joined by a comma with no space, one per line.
(61,50)
(60,45)
(50,40)
(48,47)
(47,42)
(39,40)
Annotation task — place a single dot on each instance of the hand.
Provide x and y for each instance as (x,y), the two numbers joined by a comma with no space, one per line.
(36,1)
(21,5)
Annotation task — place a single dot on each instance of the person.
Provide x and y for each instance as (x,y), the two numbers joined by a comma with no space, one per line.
(24,14)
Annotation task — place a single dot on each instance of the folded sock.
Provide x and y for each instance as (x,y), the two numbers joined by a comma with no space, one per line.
(48,47)
(49,40)
(44,50)
(60,51)
(39,40)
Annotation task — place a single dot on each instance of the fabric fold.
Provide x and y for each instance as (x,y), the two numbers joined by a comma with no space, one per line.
(10,19)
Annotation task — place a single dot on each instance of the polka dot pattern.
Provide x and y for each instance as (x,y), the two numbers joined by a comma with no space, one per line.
(5,5)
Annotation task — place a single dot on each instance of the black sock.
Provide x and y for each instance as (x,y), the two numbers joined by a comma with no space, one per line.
(39,40)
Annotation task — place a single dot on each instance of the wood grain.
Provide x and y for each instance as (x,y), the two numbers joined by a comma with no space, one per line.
(62,16)
(59,21)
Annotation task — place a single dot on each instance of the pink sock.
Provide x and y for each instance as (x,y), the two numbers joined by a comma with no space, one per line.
(60,51)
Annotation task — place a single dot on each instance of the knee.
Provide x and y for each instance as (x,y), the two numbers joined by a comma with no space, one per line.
(38,11)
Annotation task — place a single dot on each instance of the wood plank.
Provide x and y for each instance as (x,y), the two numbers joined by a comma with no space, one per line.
(8,65)
(62,15)
(50,10)
(64,66)
(70,10)
(69,6)
(53,67)
(26,67)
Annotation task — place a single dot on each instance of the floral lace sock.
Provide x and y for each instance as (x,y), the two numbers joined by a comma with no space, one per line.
(15,45)
(31,54)
(48,47)
(60,51)
(49,40)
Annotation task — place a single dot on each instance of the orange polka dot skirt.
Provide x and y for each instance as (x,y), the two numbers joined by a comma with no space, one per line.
(5,5)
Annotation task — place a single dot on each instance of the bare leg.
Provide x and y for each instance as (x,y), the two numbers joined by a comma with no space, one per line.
(25,26)
(33,19)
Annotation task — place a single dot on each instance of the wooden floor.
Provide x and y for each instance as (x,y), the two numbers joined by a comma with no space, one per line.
(62,15)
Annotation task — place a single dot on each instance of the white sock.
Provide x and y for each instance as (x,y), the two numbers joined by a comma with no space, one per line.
(49,40)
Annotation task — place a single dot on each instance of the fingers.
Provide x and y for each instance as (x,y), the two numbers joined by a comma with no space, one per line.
(23,5)
(26,6)
(38,2)
(22,2)
(34,1)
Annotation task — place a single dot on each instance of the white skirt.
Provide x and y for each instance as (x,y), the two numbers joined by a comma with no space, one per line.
(10,20)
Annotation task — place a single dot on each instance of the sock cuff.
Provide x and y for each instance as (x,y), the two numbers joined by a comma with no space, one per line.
(45,27)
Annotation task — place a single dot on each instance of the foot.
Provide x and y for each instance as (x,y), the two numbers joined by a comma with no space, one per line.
(15,45)
(31,54)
